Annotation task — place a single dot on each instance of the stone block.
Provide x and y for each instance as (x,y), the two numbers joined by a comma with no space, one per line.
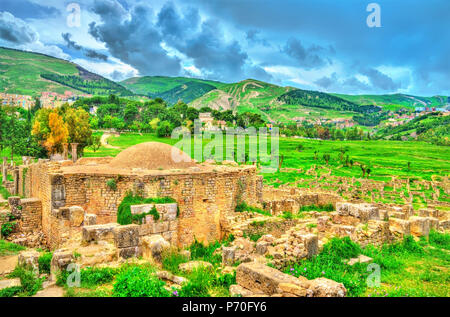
(400,226)
(60,260)
(323,287)
(130,252)
(420,226)
(76,216)
(239,291)
(126,236)
(228,255)
(64,213)
(9,283)
(153,247)
(311,243)
(90,219)
(262,247)
(444,224)
(99,232)
(170,211)
(29,259)
(434,223)
(260,278)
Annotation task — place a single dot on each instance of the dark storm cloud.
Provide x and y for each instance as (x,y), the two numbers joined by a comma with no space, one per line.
(333,83)
(70,43)
(203,42)
(86,51)
(414,33)
(132,37)
(24,9)
(255,36)
(306,57)
(15,30)
(380,80)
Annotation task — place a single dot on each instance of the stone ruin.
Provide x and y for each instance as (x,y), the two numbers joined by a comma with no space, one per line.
(72,208)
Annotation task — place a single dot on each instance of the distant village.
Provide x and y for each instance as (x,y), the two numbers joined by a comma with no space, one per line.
(54,100)
(47,99)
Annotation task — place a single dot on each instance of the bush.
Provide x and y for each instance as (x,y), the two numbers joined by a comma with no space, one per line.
(171,259)
(44,262)
(139,282)
(111,183)
(200,281)
(329,264)
(10,291)
(199,251)
(30,284)
(7,228)
(313,207)
(90,277)
(244,207)
(124,216)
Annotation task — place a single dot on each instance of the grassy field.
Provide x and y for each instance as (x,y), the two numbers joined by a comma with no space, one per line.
(387,158)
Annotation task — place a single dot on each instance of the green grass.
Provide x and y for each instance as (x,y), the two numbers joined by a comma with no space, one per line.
(408,268)
(9,248)
(20,72)
(124,216)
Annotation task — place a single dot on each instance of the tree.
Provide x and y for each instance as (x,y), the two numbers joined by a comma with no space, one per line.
(95,142)
(79,128)
(154,123)
(50,130)
(164,129)
(326,157)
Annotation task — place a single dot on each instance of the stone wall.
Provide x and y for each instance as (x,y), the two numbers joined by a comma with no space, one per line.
(166,225)
(204,198)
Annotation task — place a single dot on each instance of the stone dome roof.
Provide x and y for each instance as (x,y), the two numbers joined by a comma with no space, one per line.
(152,156)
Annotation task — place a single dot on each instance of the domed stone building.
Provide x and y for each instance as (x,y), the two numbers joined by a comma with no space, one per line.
(205,193)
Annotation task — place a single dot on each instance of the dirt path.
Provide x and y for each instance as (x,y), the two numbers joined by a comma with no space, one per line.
(51,291)
(104,142)
(7,264)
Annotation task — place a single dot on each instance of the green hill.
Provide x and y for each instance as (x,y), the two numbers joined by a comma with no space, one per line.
(30,73)
(397,100)
(274,103)
(171,89)
(432,127)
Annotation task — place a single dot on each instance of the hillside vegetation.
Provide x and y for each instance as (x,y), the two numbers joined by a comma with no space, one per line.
(397,99)
(432,128)
(171,89)
(31,73)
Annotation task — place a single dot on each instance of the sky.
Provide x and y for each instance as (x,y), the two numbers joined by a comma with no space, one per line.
(346,46)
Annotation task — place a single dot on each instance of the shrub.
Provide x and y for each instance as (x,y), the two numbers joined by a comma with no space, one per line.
(313,207)
(199,251)
(139,282)
(30,284)
(124,216)
(7,228)
(96,276)
(200,281)
(10,291)
(171,259)
(44,262)
(241,207)
(111,183)
(329,264)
